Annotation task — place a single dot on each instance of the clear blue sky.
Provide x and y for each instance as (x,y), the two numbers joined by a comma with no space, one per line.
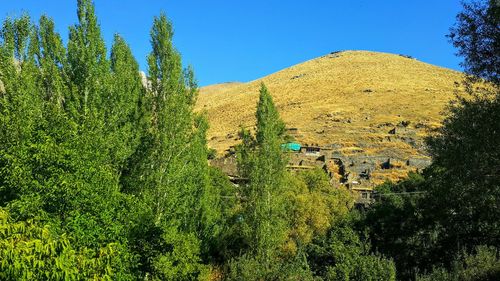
(235,40)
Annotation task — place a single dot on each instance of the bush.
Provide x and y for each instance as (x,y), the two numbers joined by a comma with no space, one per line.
(32,251)
(484,265)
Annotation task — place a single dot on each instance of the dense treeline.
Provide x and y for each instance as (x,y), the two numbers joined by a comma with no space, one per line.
(104,175)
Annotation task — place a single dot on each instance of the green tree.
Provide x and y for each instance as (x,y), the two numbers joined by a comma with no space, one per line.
(30,250)
(52,164)
(20,107)
(265,207)
(341,255)
(464,182)
(88,67)
(260,159)
(483,265)
(52,60)
(87,187)
(476,35)
(171,131)
(124,112)
(169,170)
(314,207)
(396,227)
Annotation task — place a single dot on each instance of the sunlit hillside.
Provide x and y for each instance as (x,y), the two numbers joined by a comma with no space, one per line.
(359,102)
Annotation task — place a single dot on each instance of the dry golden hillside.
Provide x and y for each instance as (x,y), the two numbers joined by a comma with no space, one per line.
(358,102)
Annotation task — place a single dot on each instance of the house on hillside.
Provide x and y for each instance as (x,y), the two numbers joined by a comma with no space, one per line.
(311,150)
(292,131)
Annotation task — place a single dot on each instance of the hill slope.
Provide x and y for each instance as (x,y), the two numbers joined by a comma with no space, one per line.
(356,102)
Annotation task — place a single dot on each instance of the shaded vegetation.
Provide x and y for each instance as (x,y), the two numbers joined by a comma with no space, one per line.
(444,223)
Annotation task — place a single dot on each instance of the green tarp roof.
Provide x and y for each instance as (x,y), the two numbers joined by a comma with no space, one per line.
(291,146)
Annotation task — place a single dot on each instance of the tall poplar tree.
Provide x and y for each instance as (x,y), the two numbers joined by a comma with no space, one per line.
(95,181)
(123,108)
(88,65)
(266,179)
(169,170)
(262,161)
(52,62)
(164,170)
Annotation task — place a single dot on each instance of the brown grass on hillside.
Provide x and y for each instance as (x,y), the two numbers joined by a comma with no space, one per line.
(351,99)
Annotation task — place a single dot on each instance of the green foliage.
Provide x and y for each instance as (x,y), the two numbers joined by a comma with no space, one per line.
(476,36)
(88,68)
(396,228)
(124,105)
(341,255)
(262,161)
(163,174)
(484,265)
(288,223)
(464,185)
(250,268)
(78,128)
(52,58)
(31,251)
(183,261)
(169,171)
(313,207)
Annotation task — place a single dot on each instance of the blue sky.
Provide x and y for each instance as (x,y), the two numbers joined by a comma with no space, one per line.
(235,40)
